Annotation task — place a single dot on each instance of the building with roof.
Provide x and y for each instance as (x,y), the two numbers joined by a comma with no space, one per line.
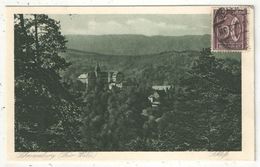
(161,87)
(159,94)
(96,78)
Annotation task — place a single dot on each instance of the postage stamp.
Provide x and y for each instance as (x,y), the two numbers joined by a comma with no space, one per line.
(230,29)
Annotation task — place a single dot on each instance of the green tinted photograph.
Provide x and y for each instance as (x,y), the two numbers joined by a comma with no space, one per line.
(124,82)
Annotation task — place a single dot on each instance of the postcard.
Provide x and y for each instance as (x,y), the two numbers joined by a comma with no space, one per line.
(130,83)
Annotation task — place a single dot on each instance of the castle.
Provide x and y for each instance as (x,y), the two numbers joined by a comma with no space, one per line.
(97,77)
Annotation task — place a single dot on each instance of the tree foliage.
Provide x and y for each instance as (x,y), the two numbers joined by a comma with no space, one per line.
(201,111)
(44,110)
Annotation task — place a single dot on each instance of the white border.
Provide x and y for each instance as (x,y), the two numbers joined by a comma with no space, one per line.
(136,2)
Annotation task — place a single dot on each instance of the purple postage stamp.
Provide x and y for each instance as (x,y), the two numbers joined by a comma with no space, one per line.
(230,29)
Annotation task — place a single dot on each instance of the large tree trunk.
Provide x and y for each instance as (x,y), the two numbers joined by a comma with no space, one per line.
(42,121)
(36,35)
(24,34)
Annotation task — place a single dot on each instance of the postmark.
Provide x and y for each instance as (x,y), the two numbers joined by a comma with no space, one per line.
(230,29)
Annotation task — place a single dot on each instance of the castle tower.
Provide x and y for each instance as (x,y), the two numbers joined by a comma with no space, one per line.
(97,70)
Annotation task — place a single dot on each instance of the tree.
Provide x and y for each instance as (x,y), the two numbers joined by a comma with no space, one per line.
(203,111)
(213,97)
(42,104)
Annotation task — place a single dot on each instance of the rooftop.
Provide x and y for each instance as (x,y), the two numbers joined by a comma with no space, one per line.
(161,87)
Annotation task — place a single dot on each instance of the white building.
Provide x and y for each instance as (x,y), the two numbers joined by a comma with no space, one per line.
(161,87)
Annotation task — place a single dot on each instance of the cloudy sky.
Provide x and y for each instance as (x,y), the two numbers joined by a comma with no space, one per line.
(168,25)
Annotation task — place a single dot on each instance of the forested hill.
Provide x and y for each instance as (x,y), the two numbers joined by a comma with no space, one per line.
(200,112)
(163,59)
(160,67)
(132,66)
(136,44)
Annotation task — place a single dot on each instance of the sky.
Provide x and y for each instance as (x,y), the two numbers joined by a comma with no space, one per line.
(149,25)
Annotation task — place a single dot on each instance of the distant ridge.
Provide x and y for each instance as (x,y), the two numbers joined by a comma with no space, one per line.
(136,44)
(153,54)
